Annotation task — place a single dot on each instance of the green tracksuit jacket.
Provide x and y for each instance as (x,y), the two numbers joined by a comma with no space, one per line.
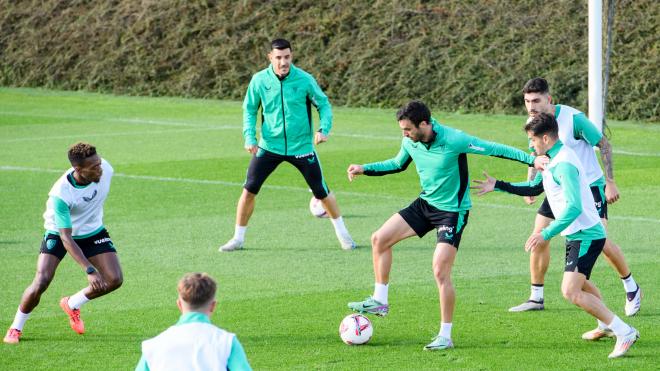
(286,111)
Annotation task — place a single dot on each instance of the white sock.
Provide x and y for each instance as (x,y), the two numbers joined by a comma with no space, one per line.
(602,325)
(239,232)
(445,330)
(619,327)
(77,300)
(340,228)
(537,293)
(19,320)
(380,292)
(629,283)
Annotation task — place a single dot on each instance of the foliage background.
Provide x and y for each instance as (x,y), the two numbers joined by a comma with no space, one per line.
(458,55)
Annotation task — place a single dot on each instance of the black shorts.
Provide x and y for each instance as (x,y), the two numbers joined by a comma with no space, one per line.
(93,245)
(581,255)
(599,200)
(422,217)
(265,162)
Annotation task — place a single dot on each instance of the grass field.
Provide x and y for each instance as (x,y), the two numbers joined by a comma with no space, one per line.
(179,169)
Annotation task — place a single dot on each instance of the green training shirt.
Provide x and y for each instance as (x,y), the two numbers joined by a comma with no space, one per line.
(442,165)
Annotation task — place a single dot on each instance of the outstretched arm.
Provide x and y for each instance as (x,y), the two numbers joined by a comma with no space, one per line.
(391,166)
(529,188)
(478,146)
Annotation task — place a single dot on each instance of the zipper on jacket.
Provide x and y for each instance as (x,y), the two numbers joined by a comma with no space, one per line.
(283,115)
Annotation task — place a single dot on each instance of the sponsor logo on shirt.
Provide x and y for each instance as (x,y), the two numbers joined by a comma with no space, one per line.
(476,148)
(88,199)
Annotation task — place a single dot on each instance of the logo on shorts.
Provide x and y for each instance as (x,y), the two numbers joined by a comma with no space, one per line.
(449,231)
(448,228)
(87,199)
(569,263)
(50,244)
(305,155)
(103,240)
(311,160)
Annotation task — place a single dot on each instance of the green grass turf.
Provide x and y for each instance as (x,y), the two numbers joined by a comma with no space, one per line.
(180,164)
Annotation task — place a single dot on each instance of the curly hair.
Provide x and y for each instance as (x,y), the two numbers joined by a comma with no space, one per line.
(197,289)
(415,111)
(79,152)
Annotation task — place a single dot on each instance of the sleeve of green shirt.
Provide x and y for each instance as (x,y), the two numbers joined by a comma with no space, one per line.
(62,212)
(322,104)
(529,188)
(470,144)
(391,166)
(568,177)
(585,129)
(251,105)
(237,359)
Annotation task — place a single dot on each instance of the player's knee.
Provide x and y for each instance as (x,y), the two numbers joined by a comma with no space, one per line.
(571,295)
(115,282)
(377,241)
(441,274)
(249,194)
(611,249)
(41,282)
(320,194)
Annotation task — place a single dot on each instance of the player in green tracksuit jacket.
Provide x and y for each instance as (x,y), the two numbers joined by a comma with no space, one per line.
(440,155)
(565,181)
(284,94)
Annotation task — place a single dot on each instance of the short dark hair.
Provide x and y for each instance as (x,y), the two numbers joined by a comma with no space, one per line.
(541,124)
(79,152)
(197,289)
(280,44)
(415,111)
(536,85)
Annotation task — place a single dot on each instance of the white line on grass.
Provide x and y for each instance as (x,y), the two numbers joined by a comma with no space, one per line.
(118,134)
(297,189)
(229,127)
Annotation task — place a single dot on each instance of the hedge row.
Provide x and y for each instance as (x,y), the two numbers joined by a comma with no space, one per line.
(470,55)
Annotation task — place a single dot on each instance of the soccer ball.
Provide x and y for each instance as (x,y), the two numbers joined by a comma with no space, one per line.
(355,329)
(316,208)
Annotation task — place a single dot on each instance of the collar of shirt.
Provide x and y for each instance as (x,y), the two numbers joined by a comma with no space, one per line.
(191,317)
(552,152)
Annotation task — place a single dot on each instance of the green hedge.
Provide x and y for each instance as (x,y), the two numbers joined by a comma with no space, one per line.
(469,55)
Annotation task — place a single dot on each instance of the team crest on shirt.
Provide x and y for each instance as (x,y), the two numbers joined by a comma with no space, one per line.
(88,199)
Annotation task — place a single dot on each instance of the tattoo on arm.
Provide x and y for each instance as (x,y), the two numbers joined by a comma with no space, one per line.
(606,157)
(531,173)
